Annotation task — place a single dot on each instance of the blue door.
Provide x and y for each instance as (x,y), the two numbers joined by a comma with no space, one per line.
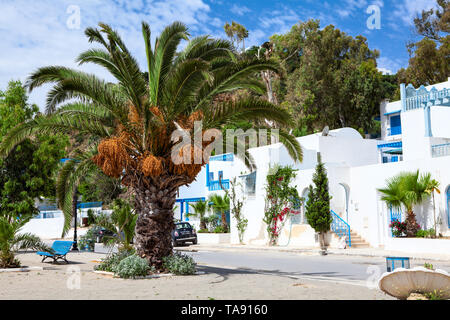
(394,159)
(396,125)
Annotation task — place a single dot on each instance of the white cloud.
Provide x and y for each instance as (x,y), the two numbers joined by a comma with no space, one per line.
(239,10)
(388,65)
(407,10)
(35,34)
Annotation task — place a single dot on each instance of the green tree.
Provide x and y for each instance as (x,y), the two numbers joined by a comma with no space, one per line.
(132,122)
(220,204)
(237,33)
(429,61)
(28,172)
(331,78)
(317,207)
(407,189)
(200,210)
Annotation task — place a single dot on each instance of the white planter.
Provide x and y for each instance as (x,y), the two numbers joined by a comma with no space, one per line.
(418,245)
(402,282)
(101,248)
(213,238)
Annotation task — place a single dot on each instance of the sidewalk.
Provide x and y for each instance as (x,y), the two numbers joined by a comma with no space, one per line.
(362,252)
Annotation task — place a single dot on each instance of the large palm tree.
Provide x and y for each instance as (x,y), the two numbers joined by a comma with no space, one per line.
(407,189)
(131,122)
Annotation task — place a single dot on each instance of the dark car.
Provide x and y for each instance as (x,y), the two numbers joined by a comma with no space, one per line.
(99,233)
(183,233)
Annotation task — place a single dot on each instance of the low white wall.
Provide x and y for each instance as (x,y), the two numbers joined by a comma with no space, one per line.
(50,228)
(101,248)
(418,245)
(213,238)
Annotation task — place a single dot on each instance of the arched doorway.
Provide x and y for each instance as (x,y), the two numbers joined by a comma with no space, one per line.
(345,197)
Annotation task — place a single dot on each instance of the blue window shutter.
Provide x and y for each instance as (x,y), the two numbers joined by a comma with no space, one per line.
(396,125)
(394,159)
(220,175)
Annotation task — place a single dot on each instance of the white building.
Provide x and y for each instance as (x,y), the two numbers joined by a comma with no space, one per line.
(415,136)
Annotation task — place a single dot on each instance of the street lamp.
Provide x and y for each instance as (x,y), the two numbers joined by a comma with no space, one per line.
(74,210)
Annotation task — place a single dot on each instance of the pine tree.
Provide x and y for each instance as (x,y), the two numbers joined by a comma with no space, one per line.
(318,204)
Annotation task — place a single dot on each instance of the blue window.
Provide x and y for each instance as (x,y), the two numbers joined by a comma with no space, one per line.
(394,159)
(220,175)
(211,176)
(396,125)
(385,159)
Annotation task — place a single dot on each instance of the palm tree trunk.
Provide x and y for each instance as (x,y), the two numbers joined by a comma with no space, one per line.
(224,220)
(153,240)
(434,216)
(411,224)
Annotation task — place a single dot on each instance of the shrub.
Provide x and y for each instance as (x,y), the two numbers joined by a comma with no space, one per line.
(203,231)
(425,233)
(428,266)
(87,241)
(221,229)
(110,262)
(179,264)
(131,267)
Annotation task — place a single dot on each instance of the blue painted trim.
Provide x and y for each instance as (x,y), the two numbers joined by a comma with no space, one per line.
(207,174)
(184,202)
(397,144)
(222,157)
(393,112)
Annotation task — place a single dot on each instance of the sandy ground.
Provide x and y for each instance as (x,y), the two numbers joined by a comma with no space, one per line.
(78,281)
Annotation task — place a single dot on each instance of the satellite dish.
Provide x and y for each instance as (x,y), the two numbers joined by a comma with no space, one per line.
(325,131)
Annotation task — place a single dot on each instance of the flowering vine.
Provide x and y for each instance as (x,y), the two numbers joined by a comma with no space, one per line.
(281,201)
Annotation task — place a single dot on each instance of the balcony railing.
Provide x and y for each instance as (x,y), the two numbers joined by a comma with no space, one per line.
(440,150)
(215,185)
(433,97)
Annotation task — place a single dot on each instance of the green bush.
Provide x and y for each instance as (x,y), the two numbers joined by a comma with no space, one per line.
(220,229)
(179,264)
(131,267)
(111,261)
(203,231)
(425,233)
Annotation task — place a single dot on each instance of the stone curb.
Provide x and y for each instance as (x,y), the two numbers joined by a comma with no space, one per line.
(153,276)
(23,269)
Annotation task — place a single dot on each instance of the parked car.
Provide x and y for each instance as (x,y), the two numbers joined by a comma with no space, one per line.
(99,233)
(183,233)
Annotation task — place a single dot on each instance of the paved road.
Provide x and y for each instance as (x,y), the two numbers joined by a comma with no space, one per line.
(331,267)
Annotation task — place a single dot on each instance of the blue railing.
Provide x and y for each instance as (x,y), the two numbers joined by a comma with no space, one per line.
(215,185)
(440,150)
(222,157)
(341,228)
(424,98)
(85,205)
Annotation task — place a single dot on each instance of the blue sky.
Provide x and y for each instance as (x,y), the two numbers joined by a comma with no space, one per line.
(46,32)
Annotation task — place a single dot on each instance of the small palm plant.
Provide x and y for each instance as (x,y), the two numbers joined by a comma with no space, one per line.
(220,204)
(11,241)
(122,223)
(200,210)
(407,189)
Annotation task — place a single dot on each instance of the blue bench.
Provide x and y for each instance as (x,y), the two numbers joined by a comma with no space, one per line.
(60,249)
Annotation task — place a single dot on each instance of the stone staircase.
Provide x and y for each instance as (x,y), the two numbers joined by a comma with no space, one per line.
(358,241)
